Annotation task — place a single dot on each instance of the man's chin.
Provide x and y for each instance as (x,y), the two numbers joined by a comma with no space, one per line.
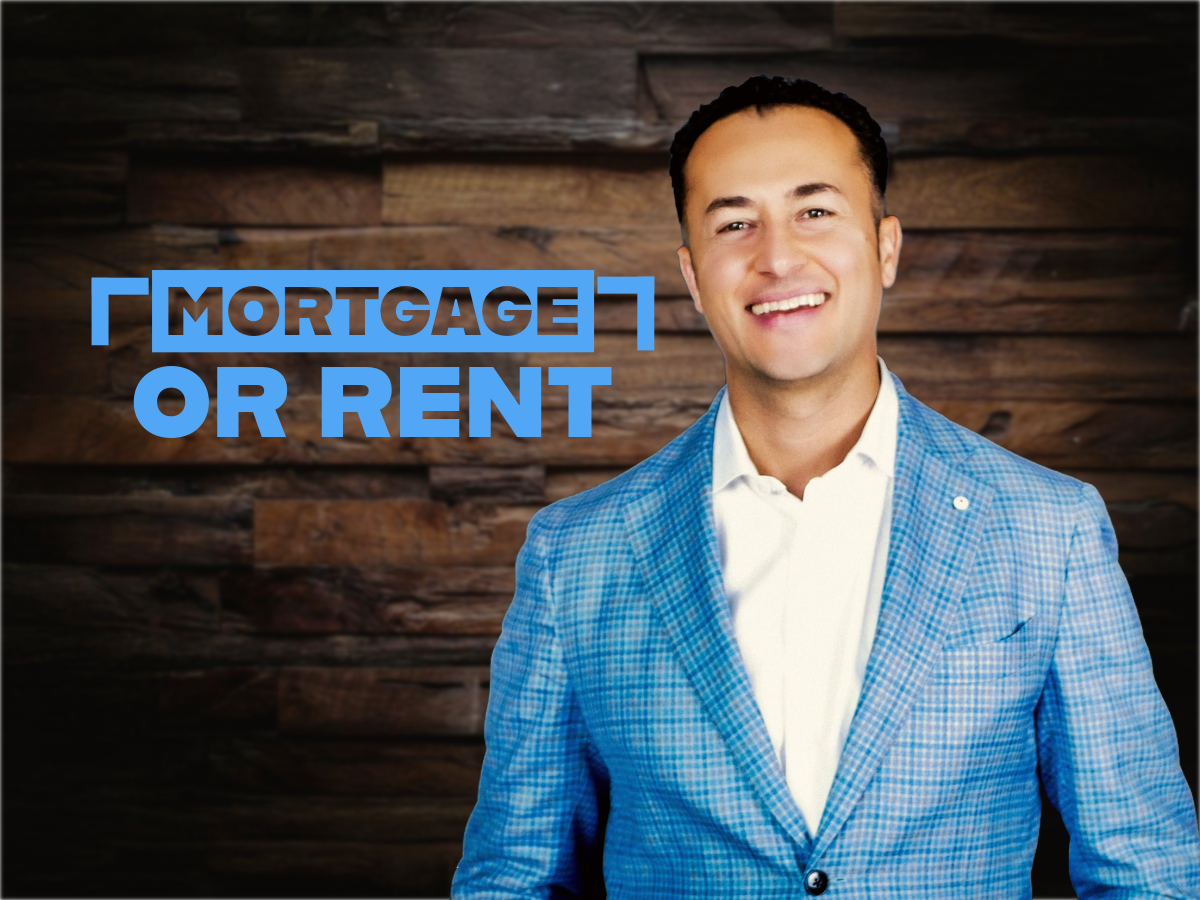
(784,375)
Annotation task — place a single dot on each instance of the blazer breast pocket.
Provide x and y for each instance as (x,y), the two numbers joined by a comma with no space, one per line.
(989,660)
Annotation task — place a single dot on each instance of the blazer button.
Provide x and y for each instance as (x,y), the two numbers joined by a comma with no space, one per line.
(815,882)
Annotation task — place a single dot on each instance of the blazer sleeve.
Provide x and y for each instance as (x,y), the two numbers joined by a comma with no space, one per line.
(538,823)
(1107,751)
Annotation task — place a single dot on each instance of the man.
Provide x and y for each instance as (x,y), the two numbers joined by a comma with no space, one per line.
(825,641)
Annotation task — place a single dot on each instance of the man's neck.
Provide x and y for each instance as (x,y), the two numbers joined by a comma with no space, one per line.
(799,431)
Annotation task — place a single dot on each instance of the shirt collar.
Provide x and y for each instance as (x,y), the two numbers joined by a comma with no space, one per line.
(877,442)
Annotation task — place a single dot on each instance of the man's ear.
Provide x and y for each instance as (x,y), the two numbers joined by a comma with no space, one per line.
(890,239)
(689,275)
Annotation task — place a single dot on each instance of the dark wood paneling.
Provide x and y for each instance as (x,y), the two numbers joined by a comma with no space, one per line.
(247,819)
(258,192)
(347,767)
(267,482)
(971,79)
(83,186)
(337,139)
(455,484)
(311,83)
(1105,25)
(367,701)
(1040,192)
(1099,435)
(367,600)
(601,192)
(72,29)
(147,531)
(386,532)
(182,86)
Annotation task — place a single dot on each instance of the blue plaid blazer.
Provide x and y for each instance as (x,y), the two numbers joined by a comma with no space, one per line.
(622,726)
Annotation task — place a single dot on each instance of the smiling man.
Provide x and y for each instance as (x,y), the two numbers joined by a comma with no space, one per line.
(825,641)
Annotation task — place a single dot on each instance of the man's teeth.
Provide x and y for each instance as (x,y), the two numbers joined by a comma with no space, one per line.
(761,309)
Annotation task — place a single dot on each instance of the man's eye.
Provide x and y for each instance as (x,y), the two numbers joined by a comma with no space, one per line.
(816,213)
(733,226)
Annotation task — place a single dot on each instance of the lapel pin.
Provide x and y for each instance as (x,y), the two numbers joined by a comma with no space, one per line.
(961,502)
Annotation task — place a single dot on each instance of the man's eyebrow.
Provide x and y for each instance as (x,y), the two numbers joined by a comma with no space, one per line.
(727,203)
(815,187)
(804,190)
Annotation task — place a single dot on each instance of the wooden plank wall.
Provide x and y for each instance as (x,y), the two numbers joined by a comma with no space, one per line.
(252,667)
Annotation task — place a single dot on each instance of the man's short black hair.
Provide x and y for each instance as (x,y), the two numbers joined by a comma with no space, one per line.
(765,93)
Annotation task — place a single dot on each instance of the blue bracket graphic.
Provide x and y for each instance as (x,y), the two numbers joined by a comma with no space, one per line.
(643,286)
(102,289)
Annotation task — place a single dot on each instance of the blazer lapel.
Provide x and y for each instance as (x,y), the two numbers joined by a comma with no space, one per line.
(673,537)
(930,553)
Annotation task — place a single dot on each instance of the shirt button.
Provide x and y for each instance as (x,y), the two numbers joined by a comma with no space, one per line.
(815,882)
(961,502)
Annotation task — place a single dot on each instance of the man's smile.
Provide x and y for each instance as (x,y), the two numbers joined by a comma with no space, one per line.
(788,304)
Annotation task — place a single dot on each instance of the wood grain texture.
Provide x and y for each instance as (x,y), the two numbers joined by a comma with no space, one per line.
(509,484)
(49,645)
(454,600)
(716,26)
(971,80)
(260,192)
(644,26)
(181,86)
(316,83)
(915,135)
(1039,192)
(274,482)
(439,700)
(386,533)
(325,868)
(1044,367)
(78,29)
(1046,282)
(444,134)
(1083,434)
(98,600)
(64,616)
(1051,23)
(341,766)
(339,139)
(141,531)
(600,192)
(54,360)
(233,818)
(234,699)
(312,868)
(73,186)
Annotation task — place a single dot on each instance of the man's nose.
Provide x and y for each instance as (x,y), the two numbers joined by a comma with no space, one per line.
(780,251)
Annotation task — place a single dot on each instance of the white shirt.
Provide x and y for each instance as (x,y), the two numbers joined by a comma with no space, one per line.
(804,580)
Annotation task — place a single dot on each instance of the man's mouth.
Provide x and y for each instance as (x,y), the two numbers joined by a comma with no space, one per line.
(788,303)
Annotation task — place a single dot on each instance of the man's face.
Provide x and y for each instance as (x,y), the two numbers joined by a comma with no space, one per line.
(783,258)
